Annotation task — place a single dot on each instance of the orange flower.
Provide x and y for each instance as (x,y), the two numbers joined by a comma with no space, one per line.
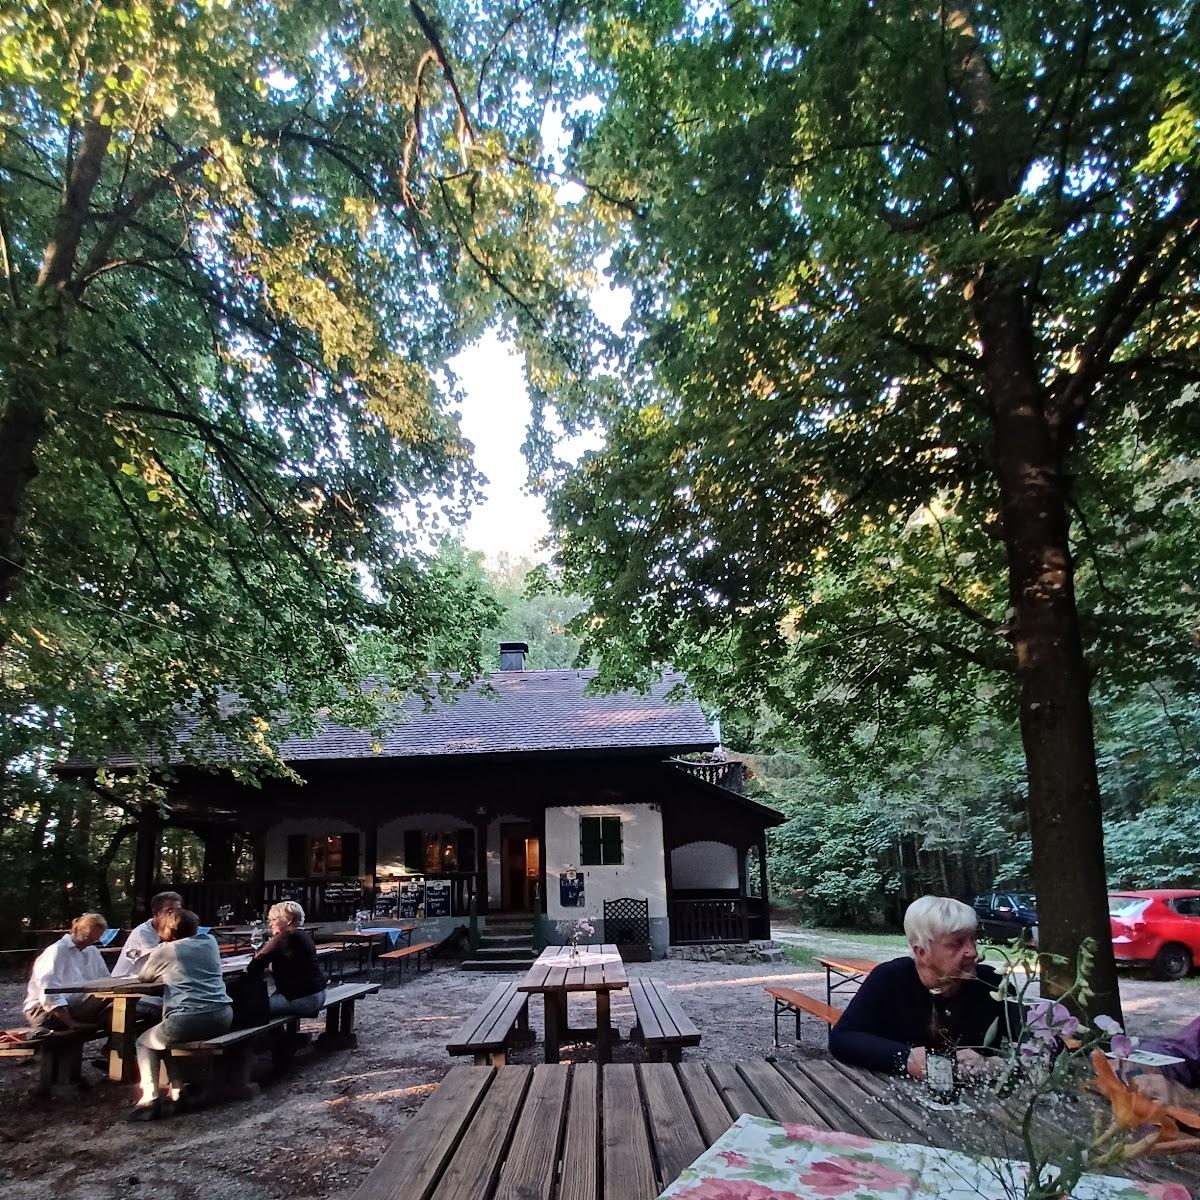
(1131,1110)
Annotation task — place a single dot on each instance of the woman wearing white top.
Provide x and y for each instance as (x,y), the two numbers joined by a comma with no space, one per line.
(72,959)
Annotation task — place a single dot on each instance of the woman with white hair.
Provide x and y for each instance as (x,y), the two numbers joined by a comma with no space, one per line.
(292,956)
(938,1001)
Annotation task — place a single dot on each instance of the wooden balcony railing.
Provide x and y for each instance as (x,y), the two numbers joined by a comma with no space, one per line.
(321,899)
(697,922)
(730,774)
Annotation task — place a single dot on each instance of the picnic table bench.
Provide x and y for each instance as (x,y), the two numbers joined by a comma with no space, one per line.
(626,1131)
(399,956)
(662,1025)
(790,1000)
(59,1053)
(560,970)
(232,1053)
(502,1018)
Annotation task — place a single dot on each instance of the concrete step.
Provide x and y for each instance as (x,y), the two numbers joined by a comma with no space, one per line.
(517,940)
(498,964)
(504,952)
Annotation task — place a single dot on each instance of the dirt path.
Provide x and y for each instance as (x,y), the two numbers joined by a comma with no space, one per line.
(316,1132)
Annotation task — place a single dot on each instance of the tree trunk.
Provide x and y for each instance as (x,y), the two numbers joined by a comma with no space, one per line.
(1056,718)
(37,340)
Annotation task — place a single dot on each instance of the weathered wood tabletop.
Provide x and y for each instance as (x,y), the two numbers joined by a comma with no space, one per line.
(626,1131)
(556,972)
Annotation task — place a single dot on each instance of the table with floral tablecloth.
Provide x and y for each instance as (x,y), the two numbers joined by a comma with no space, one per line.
(757,1159)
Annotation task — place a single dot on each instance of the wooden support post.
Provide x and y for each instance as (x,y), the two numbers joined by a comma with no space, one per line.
(145,861)
(371,860)
(220,855)
(481,860)
(762,884)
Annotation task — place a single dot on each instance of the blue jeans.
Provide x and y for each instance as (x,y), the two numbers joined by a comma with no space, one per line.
(302,1006)
(173,1029)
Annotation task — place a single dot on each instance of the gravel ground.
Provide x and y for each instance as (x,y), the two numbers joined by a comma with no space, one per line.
(318,1130)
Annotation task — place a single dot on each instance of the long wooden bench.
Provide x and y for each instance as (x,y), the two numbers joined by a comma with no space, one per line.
(232,1053)
(59,1053)
(789,1000)
(339,1013)
(662,1025)
(398,957)
(500,1021)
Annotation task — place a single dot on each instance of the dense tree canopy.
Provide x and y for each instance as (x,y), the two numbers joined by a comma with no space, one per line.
(914,317)
(238,245)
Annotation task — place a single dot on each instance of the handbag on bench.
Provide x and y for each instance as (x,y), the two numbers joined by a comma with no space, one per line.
(248,994)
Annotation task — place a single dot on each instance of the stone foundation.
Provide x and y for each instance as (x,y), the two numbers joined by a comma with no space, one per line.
(729,952)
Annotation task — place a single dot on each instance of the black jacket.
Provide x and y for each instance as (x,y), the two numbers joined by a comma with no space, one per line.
(893,1011)
(292,957)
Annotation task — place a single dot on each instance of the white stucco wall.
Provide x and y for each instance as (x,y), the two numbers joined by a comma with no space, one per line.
(641,874)
(704,865)
(276,848)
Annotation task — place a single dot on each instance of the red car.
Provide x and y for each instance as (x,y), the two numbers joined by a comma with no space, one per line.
(1158,927)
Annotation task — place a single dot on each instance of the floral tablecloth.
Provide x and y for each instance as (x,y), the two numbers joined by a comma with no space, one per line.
(757,1159)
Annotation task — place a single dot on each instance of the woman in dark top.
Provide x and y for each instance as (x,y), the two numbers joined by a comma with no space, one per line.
(939,1001)
(292,957)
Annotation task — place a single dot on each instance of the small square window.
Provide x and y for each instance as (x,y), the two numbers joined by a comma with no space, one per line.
(600,841)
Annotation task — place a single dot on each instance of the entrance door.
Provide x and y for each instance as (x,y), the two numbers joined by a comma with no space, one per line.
(520,865)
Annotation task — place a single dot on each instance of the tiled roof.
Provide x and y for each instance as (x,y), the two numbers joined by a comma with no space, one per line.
(512,712)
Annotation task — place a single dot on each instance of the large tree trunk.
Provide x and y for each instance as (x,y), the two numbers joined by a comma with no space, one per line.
(37,340)
(1056,717)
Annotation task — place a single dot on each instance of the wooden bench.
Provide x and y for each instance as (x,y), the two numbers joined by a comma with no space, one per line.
(339,1013)
(790,1000)
(398,957)
(501,1020)
(662,1025)
(59,1051)
(232,1053)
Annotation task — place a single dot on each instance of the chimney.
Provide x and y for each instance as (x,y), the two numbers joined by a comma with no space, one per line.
(512,655)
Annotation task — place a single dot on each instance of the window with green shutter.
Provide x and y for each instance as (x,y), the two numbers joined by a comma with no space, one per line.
(599,841)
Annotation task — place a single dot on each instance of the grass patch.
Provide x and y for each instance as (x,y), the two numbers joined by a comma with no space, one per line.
(799,956)
(868,937)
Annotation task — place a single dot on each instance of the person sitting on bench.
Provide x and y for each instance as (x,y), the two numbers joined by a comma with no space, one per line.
(938,1001)
(195,1007)
(72,959)
(292,956)
(144,937)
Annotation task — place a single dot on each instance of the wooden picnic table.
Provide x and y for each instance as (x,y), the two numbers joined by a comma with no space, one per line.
(628,1130)
(850,972)
(366,940)
(557,972)
(125,991)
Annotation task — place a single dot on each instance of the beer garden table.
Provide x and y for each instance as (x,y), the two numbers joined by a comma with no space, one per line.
(559,971)
(626,1131)
(125,991)
(850,972)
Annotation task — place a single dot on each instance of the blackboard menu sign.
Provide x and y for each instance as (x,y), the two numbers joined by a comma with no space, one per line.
(343,891)
(412,898)
(386,899)
(570,889)
(437,897)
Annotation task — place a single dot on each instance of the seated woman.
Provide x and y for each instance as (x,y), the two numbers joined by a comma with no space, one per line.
(72,959)
(938,1001)
(292,956)
(195,1006)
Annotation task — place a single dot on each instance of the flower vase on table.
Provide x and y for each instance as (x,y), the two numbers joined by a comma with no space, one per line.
(582,929)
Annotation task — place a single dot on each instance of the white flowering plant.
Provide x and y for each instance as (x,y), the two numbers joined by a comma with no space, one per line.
(581,931)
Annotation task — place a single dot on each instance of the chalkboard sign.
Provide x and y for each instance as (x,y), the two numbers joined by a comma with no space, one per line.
(343,891)
(412,899)
(386,900)
(570,889)
(437,897)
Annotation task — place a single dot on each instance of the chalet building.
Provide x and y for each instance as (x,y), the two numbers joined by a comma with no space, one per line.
(522,795)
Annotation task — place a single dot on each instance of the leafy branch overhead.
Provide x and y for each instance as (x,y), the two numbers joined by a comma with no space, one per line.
(239,247)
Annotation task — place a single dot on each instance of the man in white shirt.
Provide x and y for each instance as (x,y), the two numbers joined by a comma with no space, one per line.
(72,959)
(144,937)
